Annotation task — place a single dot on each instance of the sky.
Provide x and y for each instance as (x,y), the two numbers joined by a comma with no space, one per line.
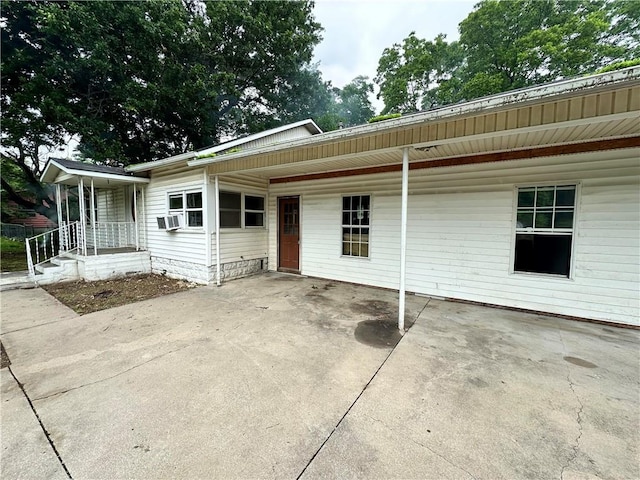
(357,31)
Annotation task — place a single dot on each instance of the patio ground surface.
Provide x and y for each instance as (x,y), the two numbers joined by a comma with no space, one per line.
(278,376)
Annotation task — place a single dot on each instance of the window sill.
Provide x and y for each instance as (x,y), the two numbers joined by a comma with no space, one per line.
(193,230)
(547,276)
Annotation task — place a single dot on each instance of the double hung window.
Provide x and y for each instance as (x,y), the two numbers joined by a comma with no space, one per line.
(544,229)
(356,211)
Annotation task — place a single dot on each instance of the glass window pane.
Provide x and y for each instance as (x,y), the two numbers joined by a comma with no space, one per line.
(252,219)
(365,220)
(346,203)
(525,198)
(346,234)
(354,218)
(365,235)
(525,219)
(230,219)
(543,253)
(545,197)
(345,218)
(365,202)
(346,248)
(543,220)
(194,200)
(175,202)
(564,219)
(230,200)
(194,219)
(565,196)
(253,203)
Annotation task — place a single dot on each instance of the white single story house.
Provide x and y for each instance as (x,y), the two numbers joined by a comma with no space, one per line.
(528,199)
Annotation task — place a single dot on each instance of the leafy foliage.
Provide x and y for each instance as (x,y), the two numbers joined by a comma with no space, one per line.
(382,118)
(135,81)
(508,44)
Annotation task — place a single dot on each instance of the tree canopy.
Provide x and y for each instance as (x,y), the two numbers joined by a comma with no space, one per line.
(136,81)
(508,44)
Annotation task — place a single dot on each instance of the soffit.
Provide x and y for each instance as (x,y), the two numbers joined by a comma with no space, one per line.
(582,116)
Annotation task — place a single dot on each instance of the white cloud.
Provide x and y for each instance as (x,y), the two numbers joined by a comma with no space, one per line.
(357,31)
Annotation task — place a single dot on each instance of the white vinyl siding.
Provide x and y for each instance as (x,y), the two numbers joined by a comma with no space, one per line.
(111,205)
(183,245)
(461,225)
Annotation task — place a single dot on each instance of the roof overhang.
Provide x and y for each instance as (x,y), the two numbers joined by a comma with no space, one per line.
(600,107)
(56,173)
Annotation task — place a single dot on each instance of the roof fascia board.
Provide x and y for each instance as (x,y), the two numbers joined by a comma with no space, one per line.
(582,85)
(107,176)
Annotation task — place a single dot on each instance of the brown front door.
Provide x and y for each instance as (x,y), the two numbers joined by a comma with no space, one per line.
(289,233)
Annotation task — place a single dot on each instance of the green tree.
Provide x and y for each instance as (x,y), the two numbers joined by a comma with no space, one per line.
(408,72)
(136,81)
(353,102)
(509,44)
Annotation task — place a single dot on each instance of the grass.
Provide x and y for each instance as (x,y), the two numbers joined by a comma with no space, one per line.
(13,257)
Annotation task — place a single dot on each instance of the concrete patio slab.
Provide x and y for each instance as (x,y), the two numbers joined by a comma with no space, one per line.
(476,392)
(26,453)
(268,377)
(246,380)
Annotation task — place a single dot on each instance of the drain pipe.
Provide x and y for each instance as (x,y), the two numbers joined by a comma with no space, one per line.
(403,237)
(217,194)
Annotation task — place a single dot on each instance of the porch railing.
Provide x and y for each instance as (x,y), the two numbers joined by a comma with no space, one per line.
(42,248)
(113,235)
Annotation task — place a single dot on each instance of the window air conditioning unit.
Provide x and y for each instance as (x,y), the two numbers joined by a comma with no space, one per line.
(169,222)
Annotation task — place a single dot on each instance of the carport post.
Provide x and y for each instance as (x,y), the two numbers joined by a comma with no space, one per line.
(403,236)
(217,194)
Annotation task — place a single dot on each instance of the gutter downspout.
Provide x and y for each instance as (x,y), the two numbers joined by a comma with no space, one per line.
(217,194)
(403,237)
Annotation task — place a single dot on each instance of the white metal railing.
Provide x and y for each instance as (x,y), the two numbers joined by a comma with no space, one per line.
(113,235)
(42,248)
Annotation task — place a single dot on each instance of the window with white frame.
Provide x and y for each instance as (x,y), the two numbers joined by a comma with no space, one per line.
(189,205)
(234,206)
(253,211)
(356,211)
(544,229)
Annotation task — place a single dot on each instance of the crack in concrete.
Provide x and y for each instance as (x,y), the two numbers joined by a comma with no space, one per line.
(361,393)
(44,430)
(112,376)
(576,443)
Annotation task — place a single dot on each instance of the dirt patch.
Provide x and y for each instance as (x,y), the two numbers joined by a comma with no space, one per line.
(86,297)
(4,358)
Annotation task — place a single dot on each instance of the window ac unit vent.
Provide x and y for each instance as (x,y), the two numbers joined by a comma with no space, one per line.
(169,222)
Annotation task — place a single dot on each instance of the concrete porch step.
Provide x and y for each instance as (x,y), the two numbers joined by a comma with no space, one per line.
(14,280)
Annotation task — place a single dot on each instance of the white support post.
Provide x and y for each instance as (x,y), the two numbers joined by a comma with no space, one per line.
(144,218)
(93,219)
(61,240)
(135,213)
(206,213)
(66,194)
(217,194)
(83,215)
(403,236)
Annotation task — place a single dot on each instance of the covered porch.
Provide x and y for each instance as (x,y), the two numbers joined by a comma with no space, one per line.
(100,212)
